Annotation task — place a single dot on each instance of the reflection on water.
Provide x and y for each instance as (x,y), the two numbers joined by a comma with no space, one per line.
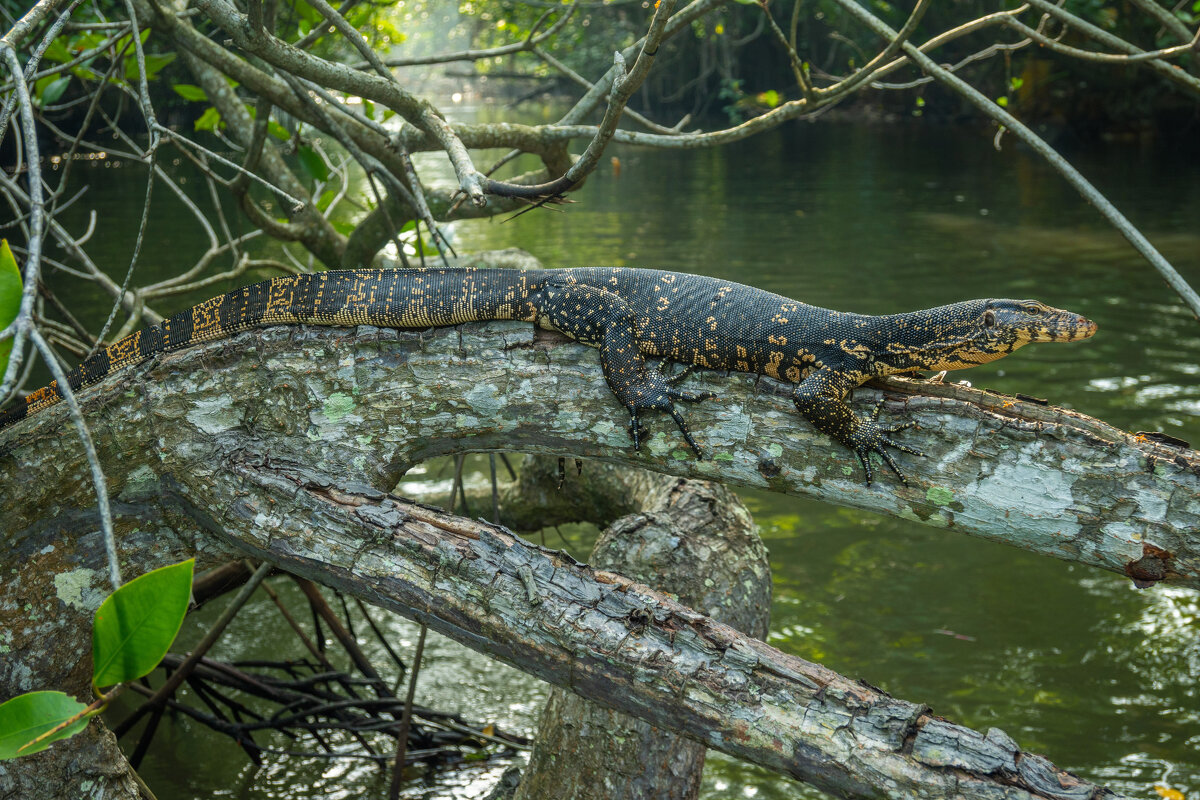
(1071,662)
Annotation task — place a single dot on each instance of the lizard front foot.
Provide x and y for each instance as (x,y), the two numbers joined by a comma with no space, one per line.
(873,438)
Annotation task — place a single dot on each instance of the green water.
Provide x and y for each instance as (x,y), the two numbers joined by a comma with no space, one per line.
(1072,662)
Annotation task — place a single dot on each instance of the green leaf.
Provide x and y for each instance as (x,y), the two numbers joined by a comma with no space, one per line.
(135,626)
(1002,102)
(209,120)
(189,92)
(343,227)
(278,131)
(57,51)
(769,98)
(313,164)
(28,716)
(10,298)
(50,88)
(154,62)
(368,109)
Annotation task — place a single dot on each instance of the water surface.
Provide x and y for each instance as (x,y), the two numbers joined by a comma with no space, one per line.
(1072,662)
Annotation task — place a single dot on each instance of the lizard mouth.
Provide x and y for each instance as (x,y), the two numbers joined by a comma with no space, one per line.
(1061,327)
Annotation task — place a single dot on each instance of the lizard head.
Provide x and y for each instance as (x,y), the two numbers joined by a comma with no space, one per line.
(976,332)
(1025,321)
(992,329)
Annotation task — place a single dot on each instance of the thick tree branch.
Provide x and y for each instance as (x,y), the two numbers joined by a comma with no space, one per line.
(273,446)
(369,404)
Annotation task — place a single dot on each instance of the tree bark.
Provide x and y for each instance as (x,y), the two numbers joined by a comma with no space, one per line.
(367,404)
(272,443)
(697,541)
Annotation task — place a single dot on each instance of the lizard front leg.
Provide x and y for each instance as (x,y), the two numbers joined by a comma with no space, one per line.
(821,398)
(604,320)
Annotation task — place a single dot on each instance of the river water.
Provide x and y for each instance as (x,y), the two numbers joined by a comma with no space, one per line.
(1072,662)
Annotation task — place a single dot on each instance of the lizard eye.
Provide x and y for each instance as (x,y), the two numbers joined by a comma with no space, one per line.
(989,320)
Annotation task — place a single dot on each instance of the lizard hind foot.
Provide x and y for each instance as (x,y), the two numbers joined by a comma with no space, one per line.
(657,394)
(872,437)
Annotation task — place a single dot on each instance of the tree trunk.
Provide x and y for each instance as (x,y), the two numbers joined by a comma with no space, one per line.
(697,541)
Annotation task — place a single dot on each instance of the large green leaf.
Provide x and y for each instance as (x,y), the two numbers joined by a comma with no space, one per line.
(154,62)
(28,716)
(50,89)
(10,298)
(135,626)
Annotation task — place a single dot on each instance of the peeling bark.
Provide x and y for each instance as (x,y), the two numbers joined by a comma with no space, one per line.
(270,443)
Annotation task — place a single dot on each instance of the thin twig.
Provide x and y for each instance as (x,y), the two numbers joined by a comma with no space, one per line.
(406,720)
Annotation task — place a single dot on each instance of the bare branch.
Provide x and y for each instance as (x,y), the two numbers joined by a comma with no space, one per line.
(1171,73)
(623,88)
(99,482)
(1072,175)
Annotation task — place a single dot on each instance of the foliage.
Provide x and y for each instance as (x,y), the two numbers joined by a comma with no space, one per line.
(33,721)
(10,298)
(131,632)
(731,65)
(136,624)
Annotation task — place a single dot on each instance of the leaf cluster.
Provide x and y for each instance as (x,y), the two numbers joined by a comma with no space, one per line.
(132,631)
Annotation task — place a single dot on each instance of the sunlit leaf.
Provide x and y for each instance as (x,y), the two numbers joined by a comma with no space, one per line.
(1168,793)
(190,92)
(10,298)
(278,131)
(28,716)
(209,120)
(135,626)
(325,199)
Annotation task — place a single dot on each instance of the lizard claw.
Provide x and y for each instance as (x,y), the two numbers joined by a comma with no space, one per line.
(661,396)
(864,454)
(874,439)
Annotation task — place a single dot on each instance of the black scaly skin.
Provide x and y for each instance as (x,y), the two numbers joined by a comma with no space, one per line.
(629,314)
